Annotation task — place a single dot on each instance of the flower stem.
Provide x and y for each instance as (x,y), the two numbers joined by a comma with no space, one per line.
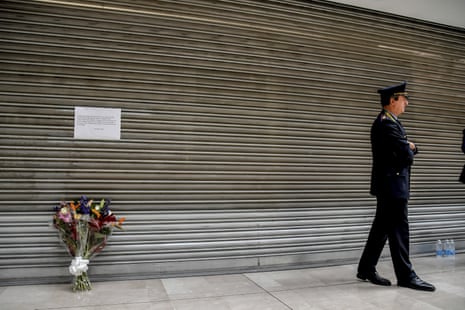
(82,283)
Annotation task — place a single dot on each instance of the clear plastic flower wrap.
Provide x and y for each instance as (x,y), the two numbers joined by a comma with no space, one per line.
(84,227)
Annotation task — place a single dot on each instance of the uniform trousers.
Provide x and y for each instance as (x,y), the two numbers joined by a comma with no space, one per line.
(390,223)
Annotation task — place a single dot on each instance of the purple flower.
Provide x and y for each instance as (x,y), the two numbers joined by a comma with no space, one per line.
(105,211)
(84,205)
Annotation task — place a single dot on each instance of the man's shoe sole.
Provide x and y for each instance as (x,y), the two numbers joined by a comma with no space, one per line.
(365,278)
(417,287)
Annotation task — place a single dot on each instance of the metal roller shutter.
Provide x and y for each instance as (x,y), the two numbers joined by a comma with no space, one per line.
(245,131)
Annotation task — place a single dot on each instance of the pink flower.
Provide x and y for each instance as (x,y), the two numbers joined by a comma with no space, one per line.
(65,215)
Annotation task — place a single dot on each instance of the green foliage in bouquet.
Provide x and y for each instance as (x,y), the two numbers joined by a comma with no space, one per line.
(84,226)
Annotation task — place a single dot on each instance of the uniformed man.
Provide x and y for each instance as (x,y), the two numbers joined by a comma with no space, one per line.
(393,156)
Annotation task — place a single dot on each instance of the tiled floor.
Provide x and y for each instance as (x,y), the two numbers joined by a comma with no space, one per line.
(313,288)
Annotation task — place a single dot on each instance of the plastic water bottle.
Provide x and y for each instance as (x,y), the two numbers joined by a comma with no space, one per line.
(452,248)
(449,248)
(439,249)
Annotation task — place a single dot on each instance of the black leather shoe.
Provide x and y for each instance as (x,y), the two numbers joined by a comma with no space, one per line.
(374,278)
(418,284)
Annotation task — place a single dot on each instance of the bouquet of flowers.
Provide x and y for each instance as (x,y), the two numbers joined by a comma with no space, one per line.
(84,226)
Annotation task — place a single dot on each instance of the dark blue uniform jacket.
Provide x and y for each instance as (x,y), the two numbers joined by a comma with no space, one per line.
(392,158)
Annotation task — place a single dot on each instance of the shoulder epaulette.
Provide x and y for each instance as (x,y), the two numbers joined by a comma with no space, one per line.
(386,116)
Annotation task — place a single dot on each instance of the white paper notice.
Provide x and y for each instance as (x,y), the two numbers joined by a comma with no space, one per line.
(97,123)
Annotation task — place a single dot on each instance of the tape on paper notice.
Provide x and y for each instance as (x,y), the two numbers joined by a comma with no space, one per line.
(97,123)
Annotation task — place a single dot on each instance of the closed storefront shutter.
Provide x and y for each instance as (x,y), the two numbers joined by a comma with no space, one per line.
(244,131)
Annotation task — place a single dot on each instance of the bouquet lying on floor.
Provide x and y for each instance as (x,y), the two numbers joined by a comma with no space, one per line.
(84,226)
